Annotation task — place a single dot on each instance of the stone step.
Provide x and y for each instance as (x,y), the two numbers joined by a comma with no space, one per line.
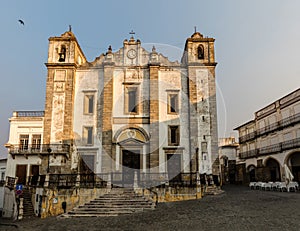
(117,202)
(114,203)
(119,199)
(114,207)
(94,214)
(95,210)
(119,195)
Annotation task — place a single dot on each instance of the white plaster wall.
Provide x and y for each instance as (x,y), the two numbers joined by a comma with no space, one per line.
(20,160)
(29,127)
(118,94)
(171,80)
(18,127)
(87,81)
(229,152)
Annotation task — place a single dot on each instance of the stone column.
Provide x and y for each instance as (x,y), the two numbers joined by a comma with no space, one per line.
(107,107)
(154,117)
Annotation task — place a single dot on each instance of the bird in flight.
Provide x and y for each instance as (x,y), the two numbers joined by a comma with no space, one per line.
(21,21)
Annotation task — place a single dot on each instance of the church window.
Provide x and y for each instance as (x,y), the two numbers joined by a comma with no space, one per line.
(173,136)
(172,103)
(88,135)
(62,54)
(23,142)
(200,52)
(88,104)
(131,99)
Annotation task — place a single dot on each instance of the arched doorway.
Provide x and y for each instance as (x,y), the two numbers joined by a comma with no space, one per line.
(252,174)
(272,170)
(295,165)
(131,149)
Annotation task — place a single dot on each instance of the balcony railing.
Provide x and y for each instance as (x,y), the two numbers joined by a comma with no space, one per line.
(117,179)
(248,154)
(289,121)
(295,143)
(39,149)
(271,149)
(267,129)
(247,137)
(29,113)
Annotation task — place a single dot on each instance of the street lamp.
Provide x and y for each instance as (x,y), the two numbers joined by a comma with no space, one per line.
(49,150)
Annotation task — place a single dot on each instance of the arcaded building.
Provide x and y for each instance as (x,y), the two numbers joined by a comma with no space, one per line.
(271,140)
(130,110)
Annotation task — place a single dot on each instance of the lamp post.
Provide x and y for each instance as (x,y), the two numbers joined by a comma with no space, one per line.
(49,150)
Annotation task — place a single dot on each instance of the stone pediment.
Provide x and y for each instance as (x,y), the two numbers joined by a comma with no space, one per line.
(132,54)
(131,142)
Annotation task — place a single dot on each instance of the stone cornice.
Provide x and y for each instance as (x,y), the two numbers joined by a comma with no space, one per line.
(58,65)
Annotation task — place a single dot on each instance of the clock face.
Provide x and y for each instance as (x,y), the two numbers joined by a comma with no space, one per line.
(131,54)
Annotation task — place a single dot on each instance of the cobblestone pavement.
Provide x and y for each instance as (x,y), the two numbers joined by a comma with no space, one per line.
(239,208)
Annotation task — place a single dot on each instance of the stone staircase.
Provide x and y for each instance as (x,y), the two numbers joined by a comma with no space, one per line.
(118,202)
(28,210)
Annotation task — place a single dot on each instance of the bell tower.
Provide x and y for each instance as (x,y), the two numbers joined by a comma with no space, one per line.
(64,56)
(199,59)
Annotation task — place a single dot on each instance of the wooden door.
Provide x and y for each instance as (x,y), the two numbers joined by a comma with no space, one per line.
(131,163)
(21,173)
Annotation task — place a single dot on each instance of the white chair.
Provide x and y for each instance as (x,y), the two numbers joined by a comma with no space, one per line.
(268,186)
(275,186)
(252,185)
(259,185)
(282,187)
(293,185)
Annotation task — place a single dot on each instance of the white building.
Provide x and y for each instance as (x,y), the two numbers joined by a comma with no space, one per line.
(25,145)
(271,140)
(228,156)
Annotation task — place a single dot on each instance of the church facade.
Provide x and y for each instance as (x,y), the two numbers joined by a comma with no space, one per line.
(129,111)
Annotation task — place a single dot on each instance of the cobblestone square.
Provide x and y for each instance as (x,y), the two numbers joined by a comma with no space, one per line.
(238,208)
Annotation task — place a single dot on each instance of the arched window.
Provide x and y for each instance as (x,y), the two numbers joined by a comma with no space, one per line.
(62,54)
(200,52)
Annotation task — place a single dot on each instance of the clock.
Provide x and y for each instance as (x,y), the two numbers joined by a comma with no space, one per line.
(131,54)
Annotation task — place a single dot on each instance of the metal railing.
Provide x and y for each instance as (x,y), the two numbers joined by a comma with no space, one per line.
(29,113)
(271,149)
(249,154)
(117,179)
(39,149)
(289,121)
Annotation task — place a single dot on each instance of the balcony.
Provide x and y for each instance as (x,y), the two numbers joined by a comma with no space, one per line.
(267,129)
(40,149)
(29,113)
(248,154)
(271,149)
(247,137)
(289,121)
(275,148)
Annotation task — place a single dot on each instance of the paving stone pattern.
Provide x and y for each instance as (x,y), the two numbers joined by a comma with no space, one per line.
(238,208)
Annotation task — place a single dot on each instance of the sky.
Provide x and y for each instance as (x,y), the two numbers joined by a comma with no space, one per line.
(257,46)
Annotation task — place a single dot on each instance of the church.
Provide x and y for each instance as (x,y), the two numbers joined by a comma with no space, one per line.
(132,108)
(131,113)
